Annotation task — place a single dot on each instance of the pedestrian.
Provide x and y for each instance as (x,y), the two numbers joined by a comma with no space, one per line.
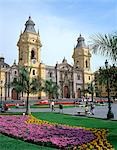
(52,106)
(5,107)
(86,109)
(60,108)
(17,105)
(23,102)
(92,109)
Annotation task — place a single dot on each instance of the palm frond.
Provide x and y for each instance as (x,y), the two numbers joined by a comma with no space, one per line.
(105,44)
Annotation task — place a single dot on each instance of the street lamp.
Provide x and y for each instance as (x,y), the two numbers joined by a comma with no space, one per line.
(1,82)
(92,91)
(1,89)
(56,80)
(28,110)
(110,113)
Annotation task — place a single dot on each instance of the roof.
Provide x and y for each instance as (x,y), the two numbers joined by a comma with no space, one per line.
(2,63)
(80,42)
(29,26)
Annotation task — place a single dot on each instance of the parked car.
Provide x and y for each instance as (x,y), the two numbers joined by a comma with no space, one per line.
(44,102)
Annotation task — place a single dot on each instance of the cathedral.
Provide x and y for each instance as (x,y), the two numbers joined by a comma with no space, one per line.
(71,79)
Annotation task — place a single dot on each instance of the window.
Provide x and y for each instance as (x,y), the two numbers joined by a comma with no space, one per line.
(33,72)
(89,77)
(15,72)
(32,54)
(61,76)
(77,64)
(78,77)
(50,74)
(86,64)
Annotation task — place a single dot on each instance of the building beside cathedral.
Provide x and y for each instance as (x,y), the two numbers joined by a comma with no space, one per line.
(71,79)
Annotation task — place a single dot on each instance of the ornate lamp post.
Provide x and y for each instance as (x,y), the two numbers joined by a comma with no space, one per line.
(92,91)
(110,113)
(28,110)
(56,79)
(1,89)
(1,82)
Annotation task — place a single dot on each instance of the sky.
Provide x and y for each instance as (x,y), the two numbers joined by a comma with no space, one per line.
(59,22)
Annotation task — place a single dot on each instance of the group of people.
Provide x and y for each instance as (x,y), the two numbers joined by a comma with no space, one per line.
(53,109)
(4,107)
(89,110)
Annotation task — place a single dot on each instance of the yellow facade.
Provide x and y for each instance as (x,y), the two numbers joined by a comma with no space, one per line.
(29,45)
(29,55)
(81,56)
(2,83)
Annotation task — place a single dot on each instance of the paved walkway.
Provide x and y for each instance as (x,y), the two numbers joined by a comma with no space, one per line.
(100,111)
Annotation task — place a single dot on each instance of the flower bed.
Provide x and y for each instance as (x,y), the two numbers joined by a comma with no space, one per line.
(41,132)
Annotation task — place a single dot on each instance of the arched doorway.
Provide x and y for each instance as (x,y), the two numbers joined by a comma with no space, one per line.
(66,92)
(79,93)
(14,94)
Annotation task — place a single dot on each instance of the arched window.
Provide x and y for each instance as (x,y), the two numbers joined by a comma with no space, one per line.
(15,72)
(32,54)
(33,72)
(78,77)
(89,77)
(51,74)
(86,63)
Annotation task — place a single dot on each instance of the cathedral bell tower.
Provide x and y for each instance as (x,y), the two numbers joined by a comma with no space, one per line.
(81,57)
(29,45)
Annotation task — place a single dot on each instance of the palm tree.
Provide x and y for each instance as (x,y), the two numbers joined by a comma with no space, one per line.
(51,88)
(105,44)
(24,83)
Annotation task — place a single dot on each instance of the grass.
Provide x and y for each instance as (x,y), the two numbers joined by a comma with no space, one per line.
(11,113)
(8,143)
(47,106)
(44,106)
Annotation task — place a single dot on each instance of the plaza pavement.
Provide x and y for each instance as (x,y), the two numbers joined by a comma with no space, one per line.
(99,112)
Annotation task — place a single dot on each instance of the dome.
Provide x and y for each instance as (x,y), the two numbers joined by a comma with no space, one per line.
(80,42)
(2,63)
(80,38)
(29,22)
(29,26)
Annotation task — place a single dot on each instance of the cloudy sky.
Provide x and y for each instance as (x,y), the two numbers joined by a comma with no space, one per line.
(59,22)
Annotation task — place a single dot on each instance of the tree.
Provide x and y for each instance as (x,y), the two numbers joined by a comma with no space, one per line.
(109,74)
(24,83)
(17,85)
(91,89)
(105,44)
(51,88)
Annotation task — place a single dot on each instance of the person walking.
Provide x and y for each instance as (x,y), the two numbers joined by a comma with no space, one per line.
(86,109)
(52,106)
(92,109)
(60,108)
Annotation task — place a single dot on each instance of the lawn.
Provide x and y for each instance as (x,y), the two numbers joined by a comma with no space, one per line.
(8,143)
(46,106)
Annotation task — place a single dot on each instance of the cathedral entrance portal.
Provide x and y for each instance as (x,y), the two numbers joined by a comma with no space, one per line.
(14,95)
(66,92)
(79,93)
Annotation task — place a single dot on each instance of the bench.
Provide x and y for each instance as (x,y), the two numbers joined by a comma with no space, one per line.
(81,113)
